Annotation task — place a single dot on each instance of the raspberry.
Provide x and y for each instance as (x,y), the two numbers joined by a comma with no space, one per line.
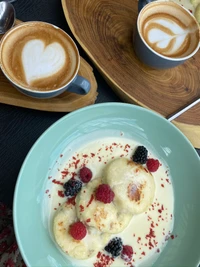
(152,165)
(127,253)
(140,155)
(78,230)
(114,247)
(85,175)
(72,187)
(104,193)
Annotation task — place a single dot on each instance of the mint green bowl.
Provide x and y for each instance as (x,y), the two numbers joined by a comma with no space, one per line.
(35,243)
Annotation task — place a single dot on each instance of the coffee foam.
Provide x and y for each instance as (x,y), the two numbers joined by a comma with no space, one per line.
(40,61)
(169,30)
(39,56)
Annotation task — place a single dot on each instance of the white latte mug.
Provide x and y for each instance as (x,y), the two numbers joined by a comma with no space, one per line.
(41,60)
(166,35)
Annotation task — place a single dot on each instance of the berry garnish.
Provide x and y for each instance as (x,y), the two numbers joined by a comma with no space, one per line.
(127,253)
(153,165)
(140,155)
(104,193)
(72,187)
(114,247)
(85,174)
(78,230)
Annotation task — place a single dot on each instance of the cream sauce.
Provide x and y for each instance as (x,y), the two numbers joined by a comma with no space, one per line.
(148,232)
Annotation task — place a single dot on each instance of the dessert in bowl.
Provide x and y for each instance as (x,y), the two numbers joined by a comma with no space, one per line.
(104,138)
(128,200)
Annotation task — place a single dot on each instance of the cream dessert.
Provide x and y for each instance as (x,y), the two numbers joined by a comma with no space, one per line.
(108,218)
(133,185)
(142,240)
(196,9)
(82,249)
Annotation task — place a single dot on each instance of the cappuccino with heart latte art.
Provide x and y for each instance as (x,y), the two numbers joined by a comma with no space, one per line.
(39,56)
(169,29)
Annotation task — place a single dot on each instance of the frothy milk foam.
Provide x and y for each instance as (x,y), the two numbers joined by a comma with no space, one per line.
(40,61)
(39,56)
(169,29)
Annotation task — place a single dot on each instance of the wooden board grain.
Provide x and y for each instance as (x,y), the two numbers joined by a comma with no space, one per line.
(65,102)
(105,30)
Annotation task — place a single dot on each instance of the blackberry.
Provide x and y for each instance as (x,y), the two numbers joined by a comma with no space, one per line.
(114,247)
(72,187)
(140,155)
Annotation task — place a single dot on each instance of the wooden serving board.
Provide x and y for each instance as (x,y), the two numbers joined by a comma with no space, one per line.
(65,102)
(105,31)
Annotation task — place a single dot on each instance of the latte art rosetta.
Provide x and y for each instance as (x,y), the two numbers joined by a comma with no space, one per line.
(167,35)
(40,61)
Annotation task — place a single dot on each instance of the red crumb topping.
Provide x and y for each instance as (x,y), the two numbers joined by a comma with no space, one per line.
(71,201)
(61,193)
(56,182)
(90,201)
(64,173)
(103,260)
(81,208)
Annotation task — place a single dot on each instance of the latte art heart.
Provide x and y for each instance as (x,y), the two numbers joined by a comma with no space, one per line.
(40,61)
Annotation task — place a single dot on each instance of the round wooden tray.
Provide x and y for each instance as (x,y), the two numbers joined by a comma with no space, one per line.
(65,102)
(105,31)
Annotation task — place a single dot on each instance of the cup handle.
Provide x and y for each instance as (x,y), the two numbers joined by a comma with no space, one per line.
(79,86)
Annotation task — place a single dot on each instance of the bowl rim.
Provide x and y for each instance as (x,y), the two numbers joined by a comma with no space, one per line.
(55,124)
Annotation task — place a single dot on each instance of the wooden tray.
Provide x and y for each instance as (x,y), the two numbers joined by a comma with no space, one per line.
(65,102)
(105,31)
